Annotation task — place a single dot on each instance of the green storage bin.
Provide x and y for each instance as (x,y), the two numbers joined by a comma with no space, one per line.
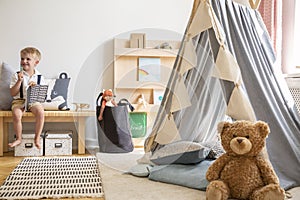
(138,124)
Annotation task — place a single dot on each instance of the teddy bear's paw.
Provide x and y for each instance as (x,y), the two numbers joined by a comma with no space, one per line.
(217,190)
(269,192)
(211,175)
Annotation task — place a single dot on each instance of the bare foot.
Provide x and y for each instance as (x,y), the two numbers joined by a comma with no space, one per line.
(15,143)
(37,142)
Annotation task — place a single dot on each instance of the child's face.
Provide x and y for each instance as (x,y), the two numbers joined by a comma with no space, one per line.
(28,61)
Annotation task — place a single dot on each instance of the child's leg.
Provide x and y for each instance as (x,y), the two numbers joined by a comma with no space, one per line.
(17,124)
(38,111)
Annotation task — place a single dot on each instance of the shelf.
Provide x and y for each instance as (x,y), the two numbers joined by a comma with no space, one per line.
(138,52)
(149,108)
(139,87)
(127,74)
(132,84)
(125,43)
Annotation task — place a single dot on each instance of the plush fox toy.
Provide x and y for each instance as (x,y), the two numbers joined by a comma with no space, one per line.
(107,100)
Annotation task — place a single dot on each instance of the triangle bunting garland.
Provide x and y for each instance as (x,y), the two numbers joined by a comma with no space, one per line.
(168,132)
(226,67)
(189,57)
(239,106)
(201,20)
(180,97)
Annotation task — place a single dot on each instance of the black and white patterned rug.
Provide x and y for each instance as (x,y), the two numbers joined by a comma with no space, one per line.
(58,177)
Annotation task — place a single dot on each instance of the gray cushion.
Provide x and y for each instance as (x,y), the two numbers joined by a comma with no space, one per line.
(216,149)
(5,77)
(192,176)
(141,170)
(182,152)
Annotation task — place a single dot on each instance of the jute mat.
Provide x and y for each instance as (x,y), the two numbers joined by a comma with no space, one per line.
(58,177)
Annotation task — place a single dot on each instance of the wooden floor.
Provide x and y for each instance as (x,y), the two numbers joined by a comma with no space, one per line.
(8,162)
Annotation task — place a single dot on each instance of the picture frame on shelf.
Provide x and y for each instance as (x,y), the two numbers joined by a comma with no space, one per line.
(149,69)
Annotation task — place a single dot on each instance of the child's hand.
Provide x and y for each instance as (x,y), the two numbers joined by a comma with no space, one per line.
(32,83)
(20,76)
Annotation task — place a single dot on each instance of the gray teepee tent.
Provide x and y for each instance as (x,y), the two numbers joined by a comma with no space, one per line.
(226,67)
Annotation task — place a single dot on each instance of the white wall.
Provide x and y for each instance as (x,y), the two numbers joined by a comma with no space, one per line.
(76,36)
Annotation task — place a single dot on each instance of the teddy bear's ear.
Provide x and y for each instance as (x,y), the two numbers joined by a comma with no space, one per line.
(222,126)
(262,128)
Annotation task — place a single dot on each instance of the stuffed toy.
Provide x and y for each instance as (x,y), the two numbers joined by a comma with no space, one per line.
(242,172)
(107,100)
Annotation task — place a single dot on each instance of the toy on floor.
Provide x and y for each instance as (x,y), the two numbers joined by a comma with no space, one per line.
(242,172)
(107,100)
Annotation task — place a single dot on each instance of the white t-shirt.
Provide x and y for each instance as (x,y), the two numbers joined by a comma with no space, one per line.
(26,80)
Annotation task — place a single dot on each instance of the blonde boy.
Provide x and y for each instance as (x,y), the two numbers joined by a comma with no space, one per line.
(30,58)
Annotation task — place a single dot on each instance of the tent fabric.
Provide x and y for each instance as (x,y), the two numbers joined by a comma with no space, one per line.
(251,89)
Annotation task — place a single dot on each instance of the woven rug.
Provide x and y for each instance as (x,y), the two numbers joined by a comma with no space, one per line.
(58,177)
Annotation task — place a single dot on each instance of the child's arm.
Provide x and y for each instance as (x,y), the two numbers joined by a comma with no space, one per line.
(15,89)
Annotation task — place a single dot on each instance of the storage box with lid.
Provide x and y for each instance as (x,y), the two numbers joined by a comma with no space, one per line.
(27,146)
(58,143)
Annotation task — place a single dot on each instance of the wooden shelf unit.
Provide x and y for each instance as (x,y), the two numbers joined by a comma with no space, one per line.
(126,83)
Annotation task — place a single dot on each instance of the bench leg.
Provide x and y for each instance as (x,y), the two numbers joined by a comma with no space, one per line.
(81,135)
(1,135)
(5,137)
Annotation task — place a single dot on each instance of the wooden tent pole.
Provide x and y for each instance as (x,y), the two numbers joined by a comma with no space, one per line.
(254,3)
(193,12)
(195,6)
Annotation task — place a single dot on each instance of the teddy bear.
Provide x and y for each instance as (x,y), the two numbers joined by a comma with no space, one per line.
(242,172)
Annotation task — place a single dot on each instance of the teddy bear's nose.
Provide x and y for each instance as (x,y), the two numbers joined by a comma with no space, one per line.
(240,140)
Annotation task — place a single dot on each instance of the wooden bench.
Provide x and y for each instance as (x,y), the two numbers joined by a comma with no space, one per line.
(78,117)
